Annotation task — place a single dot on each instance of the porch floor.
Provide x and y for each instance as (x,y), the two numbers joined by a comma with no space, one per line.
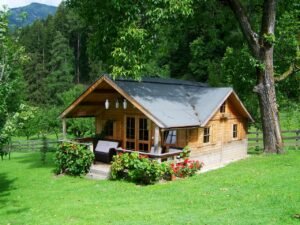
(99,171)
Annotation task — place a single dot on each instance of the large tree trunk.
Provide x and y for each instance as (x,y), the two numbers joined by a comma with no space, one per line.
(262,47)
(268,107)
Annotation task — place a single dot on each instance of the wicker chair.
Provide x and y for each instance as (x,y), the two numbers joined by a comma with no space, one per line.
(105,149)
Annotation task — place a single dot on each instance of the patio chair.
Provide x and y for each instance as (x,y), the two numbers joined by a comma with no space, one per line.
(105,150)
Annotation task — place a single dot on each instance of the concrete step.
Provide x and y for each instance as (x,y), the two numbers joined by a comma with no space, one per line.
(99,171)
(97,176)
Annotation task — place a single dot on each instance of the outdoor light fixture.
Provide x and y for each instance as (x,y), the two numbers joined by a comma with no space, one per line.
(125,104)
(117,104)
(106,104)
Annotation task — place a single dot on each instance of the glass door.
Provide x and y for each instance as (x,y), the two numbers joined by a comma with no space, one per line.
(137,133)
(143,136)
(130,133)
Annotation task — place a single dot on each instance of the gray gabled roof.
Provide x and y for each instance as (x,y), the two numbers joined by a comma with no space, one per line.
(169,103)
(176,103)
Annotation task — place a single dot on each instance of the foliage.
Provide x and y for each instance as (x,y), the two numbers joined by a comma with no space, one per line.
(73,159)
(185,154)
(47,121)
(79,127)
(12,57)
(61,69)
(24,120)
(186,168)
(236,74)
(136,168)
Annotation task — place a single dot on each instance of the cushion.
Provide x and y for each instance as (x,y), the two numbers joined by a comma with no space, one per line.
(105,146)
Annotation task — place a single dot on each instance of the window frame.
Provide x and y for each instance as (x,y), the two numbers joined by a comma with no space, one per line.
(206,135)
(173,135)
(235,131)
(223,108)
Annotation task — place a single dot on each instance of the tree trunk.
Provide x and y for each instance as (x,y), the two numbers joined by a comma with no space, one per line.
(262,47)
(268,107)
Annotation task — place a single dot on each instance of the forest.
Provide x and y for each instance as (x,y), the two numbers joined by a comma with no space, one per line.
(46,65)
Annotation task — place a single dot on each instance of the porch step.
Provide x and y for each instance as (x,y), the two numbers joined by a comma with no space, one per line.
(99,171)
(96,176)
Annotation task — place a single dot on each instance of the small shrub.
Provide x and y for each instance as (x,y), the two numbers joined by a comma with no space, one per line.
(185,154)
(73,159)
(186,168)
(136,168)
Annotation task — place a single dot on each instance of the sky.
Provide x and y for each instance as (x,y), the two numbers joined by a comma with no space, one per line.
(18,3)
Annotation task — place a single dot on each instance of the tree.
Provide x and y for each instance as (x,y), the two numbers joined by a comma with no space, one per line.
(12,57)
(24,120)
(262,48)
(61,67)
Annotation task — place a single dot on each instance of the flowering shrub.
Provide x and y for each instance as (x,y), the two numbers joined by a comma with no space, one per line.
(186,168)
(136,168)
(73,159)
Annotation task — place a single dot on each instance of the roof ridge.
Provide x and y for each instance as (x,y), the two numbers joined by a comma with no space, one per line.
(170,81)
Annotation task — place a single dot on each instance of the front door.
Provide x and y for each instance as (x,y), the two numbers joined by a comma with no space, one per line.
(137,133)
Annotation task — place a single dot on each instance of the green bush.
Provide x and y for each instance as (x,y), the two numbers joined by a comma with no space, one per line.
(73,159)
(137,168)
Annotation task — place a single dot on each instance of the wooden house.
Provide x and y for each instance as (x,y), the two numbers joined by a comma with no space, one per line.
(162,113)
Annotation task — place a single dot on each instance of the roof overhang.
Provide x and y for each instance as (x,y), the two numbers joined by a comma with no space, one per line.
(111,83)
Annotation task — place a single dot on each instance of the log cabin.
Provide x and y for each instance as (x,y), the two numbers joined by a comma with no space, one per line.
(160,114)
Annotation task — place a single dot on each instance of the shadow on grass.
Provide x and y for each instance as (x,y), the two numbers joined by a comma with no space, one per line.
(33,160)
(6,202)
(6,185)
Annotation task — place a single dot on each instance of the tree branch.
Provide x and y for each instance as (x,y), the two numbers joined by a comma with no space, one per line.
(241,16)
(292,69)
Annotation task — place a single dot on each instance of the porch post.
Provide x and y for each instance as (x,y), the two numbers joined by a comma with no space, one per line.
(64,128)
(157,148)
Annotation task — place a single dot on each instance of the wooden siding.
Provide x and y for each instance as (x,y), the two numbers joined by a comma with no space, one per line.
(221,130)
(221,127)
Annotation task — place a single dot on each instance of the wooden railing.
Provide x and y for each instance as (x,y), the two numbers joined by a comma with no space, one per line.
(291,138)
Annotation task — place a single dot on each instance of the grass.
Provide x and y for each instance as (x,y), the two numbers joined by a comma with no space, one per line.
(263,189)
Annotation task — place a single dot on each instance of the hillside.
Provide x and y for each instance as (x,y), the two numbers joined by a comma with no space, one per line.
(33,12)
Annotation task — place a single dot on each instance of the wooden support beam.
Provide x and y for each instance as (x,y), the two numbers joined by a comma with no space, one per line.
(92,103)
(64,128)
(157,147)
(104,91)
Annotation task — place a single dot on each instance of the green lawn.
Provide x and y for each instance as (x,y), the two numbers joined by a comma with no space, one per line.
(259,190)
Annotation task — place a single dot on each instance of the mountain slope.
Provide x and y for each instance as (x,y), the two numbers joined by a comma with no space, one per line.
(33,12)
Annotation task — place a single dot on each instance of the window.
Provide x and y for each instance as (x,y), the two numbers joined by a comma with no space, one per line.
(170,137)
(130,128)
(222,108)
(130,145)
(234,131)
(143,147)
(206,135)
(143,129)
